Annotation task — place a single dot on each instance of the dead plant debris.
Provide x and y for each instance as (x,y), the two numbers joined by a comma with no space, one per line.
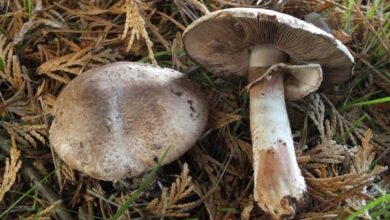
(343,151)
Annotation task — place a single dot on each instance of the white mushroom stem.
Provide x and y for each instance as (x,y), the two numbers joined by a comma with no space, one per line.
(279,186)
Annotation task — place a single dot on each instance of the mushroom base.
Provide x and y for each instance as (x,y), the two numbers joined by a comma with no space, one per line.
(279,186)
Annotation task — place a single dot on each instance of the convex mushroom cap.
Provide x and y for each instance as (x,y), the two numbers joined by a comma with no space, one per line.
(117,121)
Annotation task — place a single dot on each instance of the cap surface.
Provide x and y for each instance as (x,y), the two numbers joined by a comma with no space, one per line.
(221,41)
(116,121)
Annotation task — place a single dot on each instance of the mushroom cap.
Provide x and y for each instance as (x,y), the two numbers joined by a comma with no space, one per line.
(221,42)
(116,121)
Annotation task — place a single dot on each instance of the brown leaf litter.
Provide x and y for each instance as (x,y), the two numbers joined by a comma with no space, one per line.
(44,44)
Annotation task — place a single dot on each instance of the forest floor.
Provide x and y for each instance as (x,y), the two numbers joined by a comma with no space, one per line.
(341,134)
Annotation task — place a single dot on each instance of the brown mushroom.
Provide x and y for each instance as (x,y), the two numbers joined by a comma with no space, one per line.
(116,121)
(283,57)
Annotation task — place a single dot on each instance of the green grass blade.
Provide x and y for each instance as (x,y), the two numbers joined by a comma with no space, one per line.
(371,102)
(25,194)
(109,200)
(372,10)
(137,193)
(1,64)
(347,16)
(382,213)
(373,204)
(355,125)
(228,210)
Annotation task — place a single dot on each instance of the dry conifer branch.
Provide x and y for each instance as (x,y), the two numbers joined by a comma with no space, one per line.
(362,162)
(317,115)
(340,124)
(46,213)
(346,185)
(12,167)
(168,204)
(26,134)
(29,172)
(19,36)
(12,71)
(135,21)
(73,63)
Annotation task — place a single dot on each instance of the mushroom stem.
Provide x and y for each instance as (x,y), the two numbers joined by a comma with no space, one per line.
(279,186)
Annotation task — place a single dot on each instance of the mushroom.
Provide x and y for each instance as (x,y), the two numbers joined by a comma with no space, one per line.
(282,57)
(116,121)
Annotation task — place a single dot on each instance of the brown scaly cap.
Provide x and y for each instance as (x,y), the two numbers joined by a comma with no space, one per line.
(220,42)
(116,121)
